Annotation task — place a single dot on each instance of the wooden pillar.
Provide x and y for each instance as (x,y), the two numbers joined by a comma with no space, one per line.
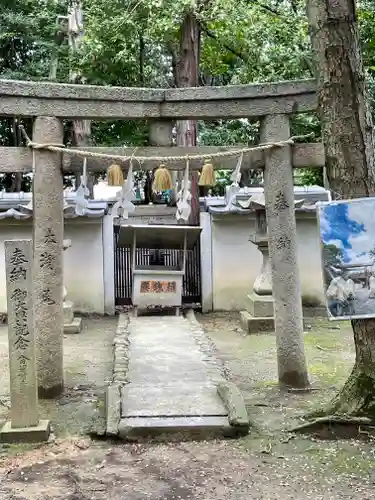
(48,231)
(279,197)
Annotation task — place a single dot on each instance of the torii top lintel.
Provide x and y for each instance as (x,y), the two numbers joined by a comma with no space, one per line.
(18,98)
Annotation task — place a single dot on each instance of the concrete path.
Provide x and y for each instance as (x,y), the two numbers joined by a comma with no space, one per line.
(173,379)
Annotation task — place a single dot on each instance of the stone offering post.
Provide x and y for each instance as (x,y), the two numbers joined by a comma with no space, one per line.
(24,424)
(282,240)
(48,259)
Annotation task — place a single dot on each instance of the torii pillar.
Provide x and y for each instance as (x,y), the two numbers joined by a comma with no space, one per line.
(48,233)
(282,243)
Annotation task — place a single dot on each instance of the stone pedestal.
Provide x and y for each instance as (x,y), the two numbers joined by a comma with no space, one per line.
(71,324)
(259,315)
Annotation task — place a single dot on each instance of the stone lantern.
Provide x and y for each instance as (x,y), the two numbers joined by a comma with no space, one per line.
(72,324)
(259,315)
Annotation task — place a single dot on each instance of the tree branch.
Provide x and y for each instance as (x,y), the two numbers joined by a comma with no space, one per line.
(266,8)
(205,29)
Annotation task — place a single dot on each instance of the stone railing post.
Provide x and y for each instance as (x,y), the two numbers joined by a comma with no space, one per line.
(48,231)
(279,198)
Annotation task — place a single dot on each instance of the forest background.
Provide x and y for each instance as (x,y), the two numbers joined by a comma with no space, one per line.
(146,43)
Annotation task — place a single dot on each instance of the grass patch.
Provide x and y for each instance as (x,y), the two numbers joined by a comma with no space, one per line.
(327,340)
(260,342)
(339,458)
(265,383)
(329,373)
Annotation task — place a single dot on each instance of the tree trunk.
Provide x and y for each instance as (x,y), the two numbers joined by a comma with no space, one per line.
(81,128)
(349,148)
(187,76)
(16,184)
(141,60)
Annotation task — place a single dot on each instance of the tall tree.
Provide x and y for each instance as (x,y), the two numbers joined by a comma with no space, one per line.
(26,41)
(349,147)
(81,128)
(187,75)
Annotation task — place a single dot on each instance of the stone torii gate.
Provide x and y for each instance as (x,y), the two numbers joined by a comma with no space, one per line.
(49,103)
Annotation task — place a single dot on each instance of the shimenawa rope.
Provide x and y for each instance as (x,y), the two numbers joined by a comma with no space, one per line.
(60,148)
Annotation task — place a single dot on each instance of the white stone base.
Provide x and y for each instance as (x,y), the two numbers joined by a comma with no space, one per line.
(74,327)
(252,324)
(71,324)
(36,434)
(260,306)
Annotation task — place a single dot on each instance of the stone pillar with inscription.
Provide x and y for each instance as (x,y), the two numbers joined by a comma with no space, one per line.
(48,229)
(282,242)
(24,424)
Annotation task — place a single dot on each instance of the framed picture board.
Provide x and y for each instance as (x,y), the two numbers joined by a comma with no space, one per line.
(347,237)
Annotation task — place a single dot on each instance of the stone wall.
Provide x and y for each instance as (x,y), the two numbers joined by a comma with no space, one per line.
(83,262)
(236,262)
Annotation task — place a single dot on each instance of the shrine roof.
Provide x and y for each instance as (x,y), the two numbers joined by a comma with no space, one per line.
(18,206)
(158,236)
(226,205)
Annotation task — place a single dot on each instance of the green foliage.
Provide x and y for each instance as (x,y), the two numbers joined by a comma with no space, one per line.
(228,133)
(366,16)
(27,36)
(332,255)
(118,133)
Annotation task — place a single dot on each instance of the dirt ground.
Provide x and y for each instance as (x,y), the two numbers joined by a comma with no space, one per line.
(268,464)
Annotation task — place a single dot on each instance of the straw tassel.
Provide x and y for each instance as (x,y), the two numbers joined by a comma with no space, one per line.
(162,179)
(115,176)
(207,177)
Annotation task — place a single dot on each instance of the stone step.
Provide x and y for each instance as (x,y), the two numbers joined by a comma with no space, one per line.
(211,427)
(173,400)
(173,384)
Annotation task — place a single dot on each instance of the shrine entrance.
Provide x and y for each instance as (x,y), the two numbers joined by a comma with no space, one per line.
(191,293)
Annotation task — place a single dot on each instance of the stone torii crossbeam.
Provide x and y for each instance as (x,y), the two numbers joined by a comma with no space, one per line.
(49,103)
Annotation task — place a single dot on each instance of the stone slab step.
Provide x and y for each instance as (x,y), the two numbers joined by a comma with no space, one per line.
(173,384)
(178,400)
(189,427)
